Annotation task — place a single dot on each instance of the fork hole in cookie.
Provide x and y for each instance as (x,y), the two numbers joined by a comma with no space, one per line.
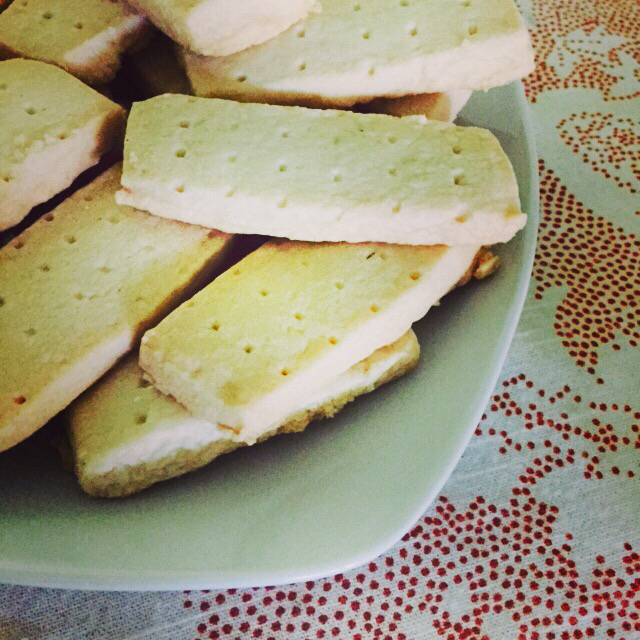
(374,308)
(215,326)
(284,372)
(298,316)
(248,348)
(414,275)
(181,153)
(141,418)
(333,340)
(459,180)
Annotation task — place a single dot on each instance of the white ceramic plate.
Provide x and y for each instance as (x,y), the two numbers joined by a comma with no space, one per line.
(301,506)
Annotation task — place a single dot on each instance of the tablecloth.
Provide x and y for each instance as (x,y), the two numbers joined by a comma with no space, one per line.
(536,534)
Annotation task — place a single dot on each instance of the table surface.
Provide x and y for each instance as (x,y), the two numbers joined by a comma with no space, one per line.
(535,535)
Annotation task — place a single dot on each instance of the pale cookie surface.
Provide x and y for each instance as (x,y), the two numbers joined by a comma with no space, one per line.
(126,435)
(250,348)
(53,128)
(85,37)
(355,51)
(77,289)
(318,175)
(220,27)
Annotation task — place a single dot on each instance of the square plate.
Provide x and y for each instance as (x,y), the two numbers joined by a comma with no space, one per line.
(302,506)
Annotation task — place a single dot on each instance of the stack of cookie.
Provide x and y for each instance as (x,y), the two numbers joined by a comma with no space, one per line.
(277,119)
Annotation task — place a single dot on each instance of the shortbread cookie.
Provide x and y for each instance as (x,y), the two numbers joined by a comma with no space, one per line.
(78,288)
(354,51)
(52,128)
(219,27)
(250,348)
(85,37)
(126,435)
(309,174)
(156,70)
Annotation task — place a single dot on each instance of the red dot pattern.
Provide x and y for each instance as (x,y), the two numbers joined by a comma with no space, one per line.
(554,20)
(558,429)
(606,144)
(599,265)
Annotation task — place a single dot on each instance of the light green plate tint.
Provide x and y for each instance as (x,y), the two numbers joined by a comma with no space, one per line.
(300,506)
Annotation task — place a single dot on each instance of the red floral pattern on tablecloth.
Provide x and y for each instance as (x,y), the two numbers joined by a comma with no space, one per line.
(610,145)
(583,44)
(598,263)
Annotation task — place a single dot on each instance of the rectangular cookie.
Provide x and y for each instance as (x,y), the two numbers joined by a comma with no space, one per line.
(125,435)
(85,37)
(155,70)
(251,347)
(220,27)
(355,51)
(78,288)
(310,174)
(53,128)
